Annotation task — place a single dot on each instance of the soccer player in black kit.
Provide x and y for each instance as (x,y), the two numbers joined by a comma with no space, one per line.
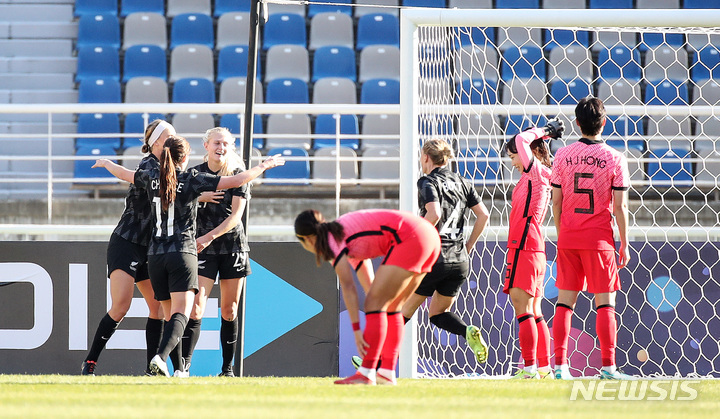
(127,257)
(172,255)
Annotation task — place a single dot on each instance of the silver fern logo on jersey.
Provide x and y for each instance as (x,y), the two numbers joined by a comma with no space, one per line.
(633,390)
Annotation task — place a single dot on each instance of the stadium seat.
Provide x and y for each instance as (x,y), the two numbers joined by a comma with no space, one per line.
(611,4)
(381,169)
(179,7)
(233,62)
(517,4)
(287,61)
(565,38)
(570,63)
(144,61)
(475,128)
(99,91)
(706,171)
(650,41)
(476,92)
(325,169)
(331,29)
(464,36)
(334,62)
(232,123)
(297,165)
(564,92)
(97,62)
(228,6)
(657,4)
(636,167)
(378,29)
(294,125)
(666,130)
(379,62)
(191,60)
(192,126)
(522,91)
(83,168)
(666,92)
(98,123)
(233,29)
(335,90)
(287,90)
(99,31)
(380,91)
(701,4)
(523,62)
(128,7)
(516,37)
(619,92)
(433,127)
(385,125)
(232,90)
(298,9)
(477,62)
(606,39)
(562,4)
(146,90)
(135,124)
(425,3)
(480,164)
(131,157)
(707,93)
(670,167)
(619,130)
(284,28)
(192,28)
(193,90)
(666,63)
(517,123)
(95,7)
(706,64)
(367,9)
(619,62)
(144,28)
(316,7)
(325,125)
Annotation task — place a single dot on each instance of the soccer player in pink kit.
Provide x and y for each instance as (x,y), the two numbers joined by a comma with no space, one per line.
(590,181)
(525,268)
(410,246)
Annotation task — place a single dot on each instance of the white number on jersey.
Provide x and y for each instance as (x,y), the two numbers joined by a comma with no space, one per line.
(158,216)
(449,228)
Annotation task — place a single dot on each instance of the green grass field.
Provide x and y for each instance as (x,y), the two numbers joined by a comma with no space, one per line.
(57,396)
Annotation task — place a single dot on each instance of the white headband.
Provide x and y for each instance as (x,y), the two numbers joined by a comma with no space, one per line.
(159,129)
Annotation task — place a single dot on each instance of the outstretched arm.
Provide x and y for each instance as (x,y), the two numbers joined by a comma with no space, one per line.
(116,170)
(228,182)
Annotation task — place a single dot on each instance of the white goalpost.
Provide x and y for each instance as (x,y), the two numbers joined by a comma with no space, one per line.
(475,77)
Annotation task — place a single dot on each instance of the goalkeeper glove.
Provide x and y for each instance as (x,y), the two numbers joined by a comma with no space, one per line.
(554,128)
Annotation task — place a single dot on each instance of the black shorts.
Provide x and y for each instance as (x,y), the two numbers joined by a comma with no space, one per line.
(234,265)
(445,278)
(173,272)
(128,257)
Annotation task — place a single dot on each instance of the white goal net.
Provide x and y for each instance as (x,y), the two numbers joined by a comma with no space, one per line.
(476,77)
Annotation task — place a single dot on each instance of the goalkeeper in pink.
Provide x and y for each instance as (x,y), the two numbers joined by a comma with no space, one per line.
(525,265)
(409,245)
(590,182)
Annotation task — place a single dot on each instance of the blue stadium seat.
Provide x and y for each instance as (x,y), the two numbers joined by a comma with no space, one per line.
(97,62)
(135,124)
(619,62)
(232,123)
(144,61)
(233,62)
(315,8)
(625,127)
(192,90)
(192,28)
(476,91)
(99,91)
(482,165)
(473,36)
(334,62)
(666,92)
(293,169)
(706,64)
(566,92)
(132,6)
(701,4)
(325,124)
(95,7)
(227,6)
(98,123)
(654,40)
(99,30)
(563,37)
(517,123)
(287,91)
(435,126)
(517,4)
(611,4)
(380,91)
(524,62)
(668,169)
(83,168)
(425,3)
(378,29)
(284,28)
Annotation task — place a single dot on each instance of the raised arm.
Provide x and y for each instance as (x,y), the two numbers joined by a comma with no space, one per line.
(482,214)
(116,170)
(228,182)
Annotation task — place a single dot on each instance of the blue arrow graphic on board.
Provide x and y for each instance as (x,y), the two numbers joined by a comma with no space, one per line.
(273,308)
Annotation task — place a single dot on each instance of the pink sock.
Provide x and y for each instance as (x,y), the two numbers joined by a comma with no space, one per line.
(543,342)
(606,327)
(391,348)
(561,332)
(528,337)
(376,326)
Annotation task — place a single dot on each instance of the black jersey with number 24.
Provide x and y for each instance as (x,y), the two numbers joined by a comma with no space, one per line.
(455,195)
(174,229)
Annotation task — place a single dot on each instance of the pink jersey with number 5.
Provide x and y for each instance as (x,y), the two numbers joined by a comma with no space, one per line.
(588,172)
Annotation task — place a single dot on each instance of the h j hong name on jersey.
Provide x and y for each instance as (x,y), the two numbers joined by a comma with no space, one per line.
(586,160)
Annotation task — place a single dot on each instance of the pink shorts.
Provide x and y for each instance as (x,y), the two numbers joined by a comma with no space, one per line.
(525,269)
(418,249)
(596,270)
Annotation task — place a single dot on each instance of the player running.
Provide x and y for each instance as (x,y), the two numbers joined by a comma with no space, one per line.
(590,182)
(127,257)
(410,246)
(172,255)
(525,262)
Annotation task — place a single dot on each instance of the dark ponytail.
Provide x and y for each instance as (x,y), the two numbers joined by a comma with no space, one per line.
(541,151)
(312,223)
(174,152)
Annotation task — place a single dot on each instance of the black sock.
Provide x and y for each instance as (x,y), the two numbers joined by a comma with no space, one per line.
(190,339)
(104,331)
(228,340)
(153,334)
(451,322)
(172,334)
